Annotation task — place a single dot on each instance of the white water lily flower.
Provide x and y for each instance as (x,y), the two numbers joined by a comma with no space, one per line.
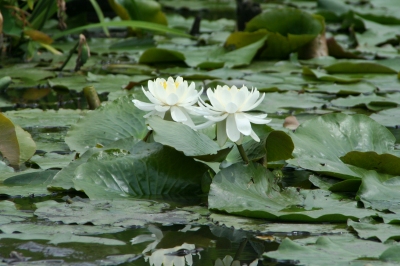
(174,97)
(229,107)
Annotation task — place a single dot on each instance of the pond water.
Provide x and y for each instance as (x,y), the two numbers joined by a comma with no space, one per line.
(200,243)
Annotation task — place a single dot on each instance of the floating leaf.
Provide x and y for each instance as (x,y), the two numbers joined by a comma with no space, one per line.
(359,67)
(380,193)
(320,75)
(320,142)
(288,29)
(382,163)
(372,102)
(159,55)
(152,169)
(182,137)
(388,117)
(328,249)
(116,120)
(290,100)
(382,232)
(250,190)
(125,213)
(342,89)
(146,10)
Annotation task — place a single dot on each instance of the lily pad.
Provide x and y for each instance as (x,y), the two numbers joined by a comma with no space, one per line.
(380,193)
(49,118)
(63,238)
(382,163)
(382,232)
(359,67)
(342,89)
(125,213)
(119,119)
(388,117)
(152,169)
(288,29)
(323,76)
(182,137)
(372,102)
(9,213)
(320,150)
(266,227)
(274,102)
(326,250)
(250,190)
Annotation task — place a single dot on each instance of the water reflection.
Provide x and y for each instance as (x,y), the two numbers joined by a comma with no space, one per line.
(177,256)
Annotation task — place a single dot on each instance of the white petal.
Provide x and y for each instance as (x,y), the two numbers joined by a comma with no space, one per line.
(231,128)
(243,124)
(162,108)
(177,114)
(222,137)
(143,106)
(257,120)
(250,100)
(239,97)
(160,92)
(254,136)
(256,103)
(172,99)
(231,108)
(217,118)
(204,125)
(151,97)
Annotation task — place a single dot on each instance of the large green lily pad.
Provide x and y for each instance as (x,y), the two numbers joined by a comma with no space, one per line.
(379,192)
(382,232)
(153,169)
(320,142)
(115,120)
(288,29)
(251,190)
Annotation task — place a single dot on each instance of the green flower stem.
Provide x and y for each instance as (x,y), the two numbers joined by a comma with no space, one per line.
(242,153)
(147,135)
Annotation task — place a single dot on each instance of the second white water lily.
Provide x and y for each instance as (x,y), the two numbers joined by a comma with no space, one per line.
(173,97)
(229,108)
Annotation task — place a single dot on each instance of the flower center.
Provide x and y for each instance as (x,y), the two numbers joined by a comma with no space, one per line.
(164,84)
